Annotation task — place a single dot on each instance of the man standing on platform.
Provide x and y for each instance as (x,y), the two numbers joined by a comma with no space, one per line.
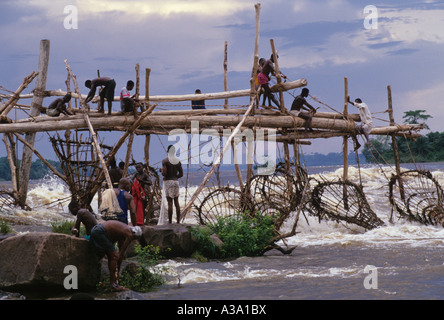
(107,92)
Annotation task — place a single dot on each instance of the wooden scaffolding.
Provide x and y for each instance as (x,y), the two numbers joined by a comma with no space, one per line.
(287,190)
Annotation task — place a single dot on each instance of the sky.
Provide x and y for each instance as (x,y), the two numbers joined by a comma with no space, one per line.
(372,43)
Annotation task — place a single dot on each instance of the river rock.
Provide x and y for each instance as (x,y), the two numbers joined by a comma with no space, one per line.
(37,261)
(173,240)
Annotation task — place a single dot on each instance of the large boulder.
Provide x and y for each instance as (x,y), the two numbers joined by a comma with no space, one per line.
(173,240)
(37,261)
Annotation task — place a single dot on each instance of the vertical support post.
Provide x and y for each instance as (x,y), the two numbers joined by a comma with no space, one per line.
(283,111)
(395,147)
(147,97)
(37,100)
(345,145)
(225,72)
(278,76)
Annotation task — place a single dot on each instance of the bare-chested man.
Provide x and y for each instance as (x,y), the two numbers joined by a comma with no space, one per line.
(107,92)
(104,236)
(172,171)
(83,216)
(299,104)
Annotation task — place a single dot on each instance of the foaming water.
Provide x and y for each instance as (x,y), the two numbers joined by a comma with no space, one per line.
(329,261)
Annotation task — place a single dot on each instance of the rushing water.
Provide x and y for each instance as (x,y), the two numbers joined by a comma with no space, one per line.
(400,260)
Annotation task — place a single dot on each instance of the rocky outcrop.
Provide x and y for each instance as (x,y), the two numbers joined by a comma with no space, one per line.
(37,261)
(173,240)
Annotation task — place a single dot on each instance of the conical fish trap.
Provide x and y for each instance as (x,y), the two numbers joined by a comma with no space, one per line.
(418,196)
(343,201)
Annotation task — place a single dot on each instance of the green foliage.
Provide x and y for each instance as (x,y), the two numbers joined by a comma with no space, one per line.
(147,274)
(65,227)
(429,148)
(4,227)
(206,246)
(415,116)
(38,169)
(241,234)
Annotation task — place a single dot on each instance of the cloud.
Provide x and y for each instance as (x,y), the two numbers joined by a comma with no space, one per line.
(164,7)
(411,25)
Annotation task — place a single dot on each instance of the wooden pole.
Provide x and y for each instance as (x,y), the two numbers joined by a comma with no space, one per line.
(160,122)
(188,97)
(345,145)
(10,156)
(395,148)
(225,73)
(283,111)
(40,87)
(148,136)
(137,94)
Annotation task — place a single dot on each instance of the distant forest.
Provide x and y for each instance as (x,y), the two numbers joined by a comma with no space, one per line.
(38,169)
(429,148)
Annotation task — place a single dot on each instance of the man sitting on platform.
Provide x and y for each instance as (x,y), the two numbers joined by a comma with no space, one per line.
(127,102)
(301,103)
(58,106)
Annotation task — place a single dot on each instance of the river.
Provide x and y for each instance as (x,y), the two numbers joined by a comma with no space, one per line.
(400,260)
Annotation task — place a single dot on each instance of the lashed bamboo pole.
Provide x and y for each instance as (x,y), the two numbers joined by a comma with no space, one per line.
(345,146)
(105,123)
(186,113)
(225,73)
(189,97)
(395,147)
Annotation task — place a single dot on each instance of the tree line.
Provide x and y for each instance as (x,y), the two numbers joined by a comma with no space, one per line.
(38,169)
(428,148)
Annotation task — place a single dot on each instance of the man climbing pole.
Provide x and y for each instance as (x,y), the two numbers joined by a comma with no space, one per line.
(366,122)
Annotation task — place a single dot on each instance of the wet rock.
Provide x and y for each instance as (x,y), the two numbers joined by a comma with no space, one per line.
(173,240)
(37,261)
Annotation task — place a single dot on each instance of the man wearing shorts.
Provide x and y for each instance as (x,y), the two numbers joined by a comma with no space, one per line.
(172,171)
(299,104)
(103,238)
(366,121)
(109,86)
(58,106)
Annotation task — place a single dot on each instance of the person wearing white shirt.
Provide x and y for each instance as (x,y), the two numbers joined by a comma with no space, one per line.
(366,121)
